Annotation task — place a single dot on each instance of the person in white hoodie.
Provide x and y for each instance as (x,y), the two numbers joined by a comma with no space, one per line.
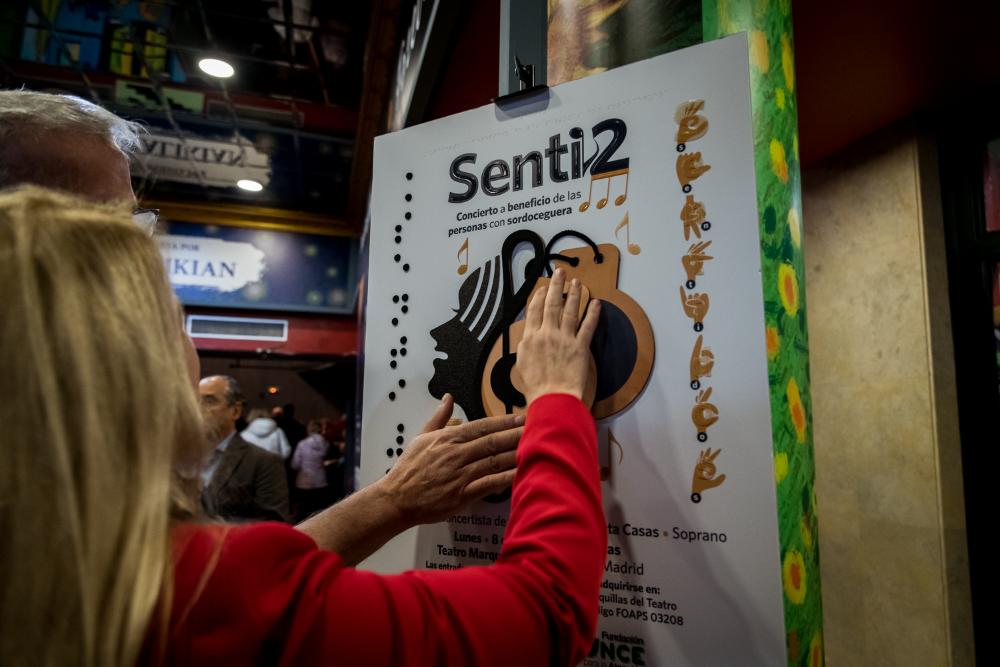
(264,432)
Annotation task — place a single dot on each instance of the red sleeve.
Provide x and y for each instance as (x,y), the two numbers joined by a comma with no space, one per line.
(295,604)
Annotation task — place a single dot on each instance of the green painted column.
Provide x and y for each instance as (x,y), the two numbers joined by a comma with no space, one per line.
(768,24)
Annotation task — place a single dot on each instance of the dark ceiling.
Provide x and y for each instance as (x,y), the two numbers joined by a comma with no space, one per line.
(292,104)
(300,96)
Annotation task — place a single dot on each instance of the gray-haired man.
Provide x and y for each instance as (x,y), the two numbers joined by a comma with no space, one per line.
(241,481)
(65,143)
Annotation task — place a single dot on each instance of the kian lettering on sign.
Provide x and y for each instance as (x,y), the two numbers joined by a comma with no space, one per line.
(211,263)
(200,268)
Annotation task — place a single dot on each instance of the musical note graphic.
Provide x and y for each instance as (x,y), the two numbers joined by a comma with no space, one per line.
(696,307)
(689,168)
(693,217)
(705,474)
(463,266)
(691,125)
(704,414)
(702,362)
(633,248)
(694,261)
(606,470)
(606,176)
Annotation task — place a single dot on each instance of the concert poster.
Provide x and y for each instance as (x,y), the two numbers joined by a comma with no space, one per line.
(639,182)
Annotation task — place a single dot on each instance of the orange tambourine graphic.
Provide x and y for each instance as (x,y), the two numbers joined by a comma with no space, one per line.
(623,345)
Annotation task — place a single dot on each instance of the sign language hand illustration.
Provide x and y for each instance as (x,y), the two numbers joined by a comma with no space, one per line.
(689,168)
(705,474)
(702,361)
(690,124)
(693,217)
(704,414)
(694,261)
(696,307)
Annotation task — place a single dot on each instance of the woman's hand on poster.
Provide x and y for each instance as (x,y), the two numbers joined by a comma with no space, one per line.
(554,356)
(447,467)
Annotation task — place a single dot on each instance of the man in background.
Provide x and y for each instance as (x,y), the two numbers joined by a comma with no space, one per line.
(241,482)
(66,143)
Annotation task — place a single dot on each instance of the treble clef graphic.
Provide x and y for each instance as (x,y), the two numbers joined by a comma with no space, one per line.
(511,304)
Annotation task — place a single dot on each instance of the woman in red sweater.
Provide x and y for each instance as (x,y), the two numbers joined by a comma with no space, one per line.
(104,561)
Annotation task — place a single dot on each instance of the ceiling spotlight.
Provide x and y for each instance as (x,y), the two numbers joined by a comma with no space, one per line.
(249,185)
(217,68)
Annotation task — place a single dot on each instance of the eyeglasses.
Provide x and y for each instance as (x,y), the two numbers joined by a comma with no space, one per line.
(146,219)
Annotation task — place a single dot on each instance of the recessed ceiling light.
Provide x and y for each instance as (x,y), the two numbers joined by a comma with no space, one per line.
(217,68)
(249,185)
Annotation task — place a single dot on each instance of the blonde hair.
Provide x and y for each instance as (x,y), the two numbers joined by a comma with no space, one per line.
(98,417)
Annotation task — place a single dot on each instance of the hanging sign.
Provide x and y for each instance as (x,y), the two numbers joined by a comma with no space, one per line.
(639,182)
(259,269)
(212,162)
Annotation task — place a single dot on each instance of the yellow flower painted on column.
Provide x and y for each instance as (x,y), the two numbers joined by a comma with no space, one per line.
(779,97)
(793,576)
(795,145)
(758,51)
(788,63)
(795,227)
(780,467)
(788,289)
(778,164)
(816,651)
(796,409)
(773,341)
(806,531)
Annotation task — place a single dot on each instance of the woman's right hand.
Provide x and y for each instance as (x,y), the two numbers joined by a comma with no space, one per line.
(554,357)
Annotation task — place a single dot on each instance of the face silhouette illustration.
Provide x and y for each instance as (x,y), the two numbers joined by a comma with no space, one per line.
(463,339)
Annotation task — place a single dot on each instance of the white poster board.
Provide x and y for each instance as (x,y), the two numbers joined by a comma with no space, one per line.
(662,214)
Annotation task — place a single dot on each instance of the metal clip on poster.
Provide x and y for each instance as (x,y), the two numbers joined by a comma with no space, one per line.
(525,75)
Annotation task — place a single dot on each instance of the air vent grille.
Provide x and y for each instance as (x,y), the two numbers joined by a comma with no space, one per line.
(237,328)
